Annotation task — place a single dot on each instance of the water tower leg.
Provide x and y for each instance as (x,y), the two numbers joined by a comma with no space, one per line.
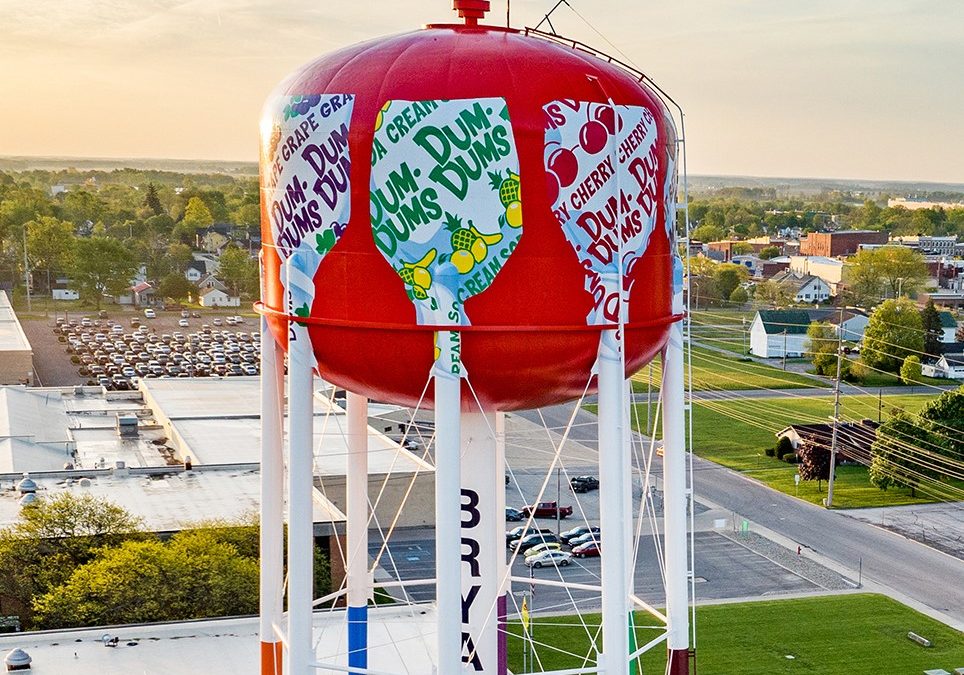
(503,568)
(674,489)
(272,500)
(359,583)
(448,577)
(300,487)
(614,484)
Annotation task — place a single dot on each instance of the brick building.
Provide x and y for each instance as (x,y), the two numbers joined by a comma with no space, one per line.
(834,244)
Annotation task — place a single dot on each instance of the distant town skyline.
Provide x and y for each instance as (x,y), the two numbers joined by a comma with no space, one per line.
(850,89)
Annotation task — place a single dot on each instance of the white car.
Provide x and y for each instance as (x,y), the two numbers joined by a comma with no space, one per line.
(183,323)
(539,549)
(150,313)
(557,558)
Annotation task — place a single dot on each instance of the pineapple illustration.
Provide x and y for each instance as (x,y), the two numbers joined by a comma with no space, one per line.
(469,246)
(509,194)
(416,274)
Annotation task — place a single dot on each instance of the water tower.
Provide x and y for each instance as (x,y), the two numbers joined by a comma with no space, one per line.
(480,220)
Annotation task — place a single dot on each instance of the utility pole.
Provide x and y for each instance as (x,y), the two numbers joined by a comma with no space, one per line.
(26,267)
(836,412)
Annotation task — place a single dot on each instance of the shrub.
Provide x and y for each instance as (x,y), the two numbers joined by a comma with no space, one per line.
(910,371)
(790,458)
(75,359)
(770,452)
(784,445)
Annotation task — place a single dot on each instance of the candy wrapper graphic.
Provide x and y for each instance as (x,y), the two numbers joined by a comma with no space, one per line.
(307,188)
(602,168)
(446,205)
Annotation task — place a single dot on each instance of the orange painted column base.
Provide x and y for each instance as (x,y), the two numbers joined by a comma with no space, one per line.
(270,658)
(679,661)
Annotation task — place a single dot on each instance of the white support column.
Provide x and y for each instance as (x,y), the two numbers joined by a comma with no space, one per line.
(614,490)
(483,555)
(447,517)
(300,488)
(358,578)
(503,567)
(674,491)
(272,500)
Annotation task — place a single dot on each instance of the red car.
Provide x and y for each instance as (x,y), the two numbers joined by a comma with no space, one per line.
(546,510)
(588,550)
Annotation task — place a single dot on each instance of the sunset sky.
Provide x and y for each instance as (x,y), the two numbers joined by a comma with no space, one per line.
(823,88)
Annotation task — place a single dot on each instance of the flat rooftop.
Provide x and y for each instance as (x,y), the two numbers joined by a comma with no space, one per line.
(12,337)
(167,500)
(215,421)
(225,646)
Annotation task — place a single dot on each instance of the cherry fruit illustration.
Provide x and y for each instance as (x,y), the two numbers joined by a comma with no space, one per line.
(564,164)
(593,136)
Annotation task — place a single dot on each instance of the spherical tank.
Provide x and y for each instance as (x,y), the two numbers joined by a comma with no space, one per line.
(470,179)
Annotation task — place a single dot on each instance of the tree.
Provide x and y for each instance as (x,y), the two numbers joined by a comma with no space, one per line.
(959,333)
(192,576)
(902,269)
(52,538)
(741,248)
(822,348)
(910,370)
(769,252)
(728,276)
(893,333)
(196,216)
(175,286)
(933,331)
(739,296)
(707,232)
(152,200)
(81,206)
(769,293)
(814,462)
(238,270)
(102,266)
(911,451)
(50,244)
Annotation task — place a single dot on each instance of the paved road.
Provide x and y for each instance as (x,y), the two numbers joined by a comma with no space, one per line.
(921,573)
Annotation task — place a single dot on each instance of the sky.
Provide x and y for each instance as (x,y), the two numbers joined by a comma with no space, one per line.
(869,89)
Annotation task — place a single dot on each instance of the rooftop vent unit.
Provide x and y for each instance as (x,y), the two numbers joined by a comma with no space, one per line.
(27,485)
(17,659)
(127,426)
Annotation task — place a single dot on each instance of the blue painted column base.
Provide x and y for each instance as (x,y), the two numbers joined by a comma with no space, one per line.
(358,637)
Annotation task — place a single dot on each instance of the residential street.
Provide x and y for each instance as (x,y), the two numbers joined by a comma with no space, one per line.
(908,568)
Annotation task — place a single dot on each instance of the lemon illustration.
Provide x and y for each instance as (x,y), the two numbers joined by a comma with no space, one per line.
(416,274)
(380,117)
(508,187)
(479,250)
(463,260)
(513,214)
(438,350)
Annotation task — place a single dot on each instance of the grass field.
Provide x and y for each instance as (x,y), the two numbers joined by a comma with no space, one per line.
(735,434)
(858,634)
(715,371)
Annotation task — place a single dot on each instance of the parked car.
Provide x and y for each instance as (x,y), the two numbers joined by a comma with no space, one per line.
(542,548)
(584,483)
(183,323)
(588,550)
(516,533)
(527,542)
(546,510)
(150,313)
(557,558)
(576,532)
(584,539)
(513,515)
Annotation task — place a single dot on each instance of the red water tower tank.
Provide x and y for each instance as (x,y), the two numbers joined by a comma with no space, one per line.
(475,179)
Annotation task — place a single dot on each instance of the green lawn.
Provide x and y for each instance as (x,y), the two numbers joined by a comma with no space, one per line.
(735,433)
(715,371)
(859,634)
(723,329)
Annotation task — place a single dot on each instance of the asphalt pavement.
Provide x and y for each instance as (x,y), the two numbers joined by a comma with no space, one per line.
(907,570)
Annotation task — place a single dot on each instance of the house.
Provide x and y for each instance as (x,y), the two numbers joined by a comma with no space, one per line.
(64,294)
(212,239)
(750,261)
(195,271)
(806,287)
(140,294)
(779,332)
(211,281)
(833,272)
(948,326)
(213,297)
(854,439)
(950,366)
(854,321)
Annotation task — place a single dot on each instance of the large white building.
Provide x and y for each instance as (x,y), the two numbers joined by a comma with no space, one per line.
(831,271)
(16,355)
(780,332)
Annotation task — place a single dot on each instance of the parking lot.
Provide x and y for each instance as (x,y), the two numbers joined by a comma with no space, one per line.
(117,354)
